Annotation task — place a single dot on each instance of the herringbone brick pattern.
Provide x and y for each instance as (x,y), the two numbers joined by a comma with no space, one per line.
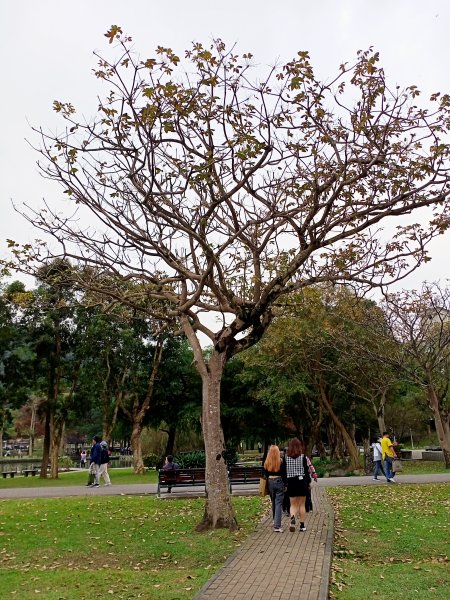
(279,566)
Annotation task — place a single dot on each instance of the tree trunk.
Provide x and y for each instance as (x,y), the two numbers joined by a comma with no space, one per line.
(379,411)
(46,443)
(136,446)
(57,427)
(368,456)
(441,422)
(170,444)
(32,426)
(351,448)
(219,511)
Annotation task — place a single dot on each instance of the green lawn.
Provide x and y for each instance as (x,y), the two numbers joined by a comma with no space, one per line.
(391,542)
(76,478)
(125,546)
(419,467)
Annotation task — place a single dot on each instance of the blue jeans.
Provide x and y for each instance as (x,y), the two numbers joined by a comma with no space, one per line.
(276,489)
(377,468)
(388,467)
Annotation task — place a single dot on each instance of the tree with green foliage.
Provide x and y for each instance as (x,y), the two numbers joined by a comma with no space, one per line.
(420,322)
(246,413)
(48,313)
(297,358)
(16,354)
(219,190)
(177,396)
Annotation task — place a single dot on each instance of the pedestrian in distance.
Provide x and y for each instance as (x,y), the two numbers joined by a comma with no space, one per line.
(275,473)
(298,481)
(95,460)
(104,461)
(377,458)
(313,475)
(388,455)
(83,459)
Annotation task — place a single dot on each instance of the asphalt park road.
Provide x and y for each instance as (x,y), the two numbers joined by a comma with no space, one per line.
(194,491)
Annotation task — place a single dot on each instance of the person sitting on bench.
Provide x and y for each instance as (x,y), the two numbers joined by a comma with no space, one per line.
(170,466)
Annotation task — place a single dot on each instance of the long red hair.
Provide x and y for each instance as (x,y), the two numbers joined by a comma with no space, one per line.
(273,460)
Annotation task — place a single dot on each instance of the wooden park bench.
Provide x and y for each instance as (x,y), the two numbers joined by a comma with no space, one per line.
(243,475)
(195,477)
(31,472)
(180,478)
(10,473)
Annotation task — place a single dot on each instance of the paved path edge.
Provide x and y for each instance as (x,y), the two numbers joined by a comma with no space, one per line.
(326,566)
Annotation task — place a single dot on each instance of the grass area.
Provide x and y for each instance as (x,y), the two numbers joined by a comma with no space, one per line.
(391,542)
(422,467)
(125,546)
(77,478)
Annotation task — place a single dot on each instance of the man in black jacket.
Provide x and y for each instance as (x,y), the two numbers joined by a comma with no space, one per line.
(96,457)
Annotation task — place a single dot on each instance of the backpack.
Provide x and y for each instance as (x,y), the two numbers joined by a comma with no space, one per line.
(104,456)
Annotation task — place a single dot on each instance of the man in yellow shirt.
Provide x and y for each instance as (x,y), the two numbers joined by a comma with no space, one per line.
(388,455)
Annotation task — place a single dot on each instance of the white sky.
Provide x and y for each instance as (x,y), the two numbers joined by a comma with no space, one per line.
(47,47)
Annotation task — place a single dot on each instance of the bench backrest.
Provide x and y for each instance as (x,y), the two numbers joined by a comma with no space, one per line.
(185,476)
(245,473)
(193,476)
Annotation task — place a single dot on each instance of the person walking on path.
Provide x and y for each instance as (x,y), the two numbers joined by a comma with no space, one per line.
(95,459)
(388,455)
(82,459)
(104,461)
(377,457)
(313,475)
(298,481)
(275,472)
(308,501)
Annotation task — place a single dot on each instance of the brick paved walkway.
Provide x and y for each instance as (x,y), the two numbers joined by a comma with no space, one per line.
(280,566)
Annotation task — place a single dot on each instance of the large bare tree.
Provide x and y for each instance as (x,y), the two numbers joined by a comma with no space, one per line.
(219,189)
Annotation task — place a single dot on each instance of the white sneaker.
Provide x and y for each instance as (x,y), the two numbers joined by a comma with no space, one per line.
(392,480)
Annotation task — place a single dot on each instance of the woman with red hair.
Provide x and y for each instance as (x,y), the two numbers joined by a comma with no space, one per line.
(298,481)
(275,472)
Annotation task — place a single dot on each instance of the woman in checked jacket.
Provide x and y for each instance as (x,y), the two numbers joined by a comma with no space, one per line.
(298,481)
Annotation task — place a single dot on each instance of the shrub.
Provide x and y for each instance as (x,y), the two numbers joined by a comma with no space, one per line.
(65,462)
(231,456)
(323,466)
(151,460)
(191,460)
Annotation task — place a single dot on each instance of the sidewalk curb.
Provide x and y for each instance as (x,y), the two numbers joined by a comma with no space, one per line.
(326,567)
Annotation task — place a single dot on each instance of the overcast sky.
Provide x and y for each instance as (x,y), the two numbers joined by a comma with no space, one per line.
(47,51)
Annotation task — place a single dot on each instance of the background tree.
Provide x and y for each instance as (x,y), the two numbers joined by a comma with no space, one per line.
(298,357)
(420,321)
(49,314)
(177,394)
(16,354)
(219,191)
(247,412)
